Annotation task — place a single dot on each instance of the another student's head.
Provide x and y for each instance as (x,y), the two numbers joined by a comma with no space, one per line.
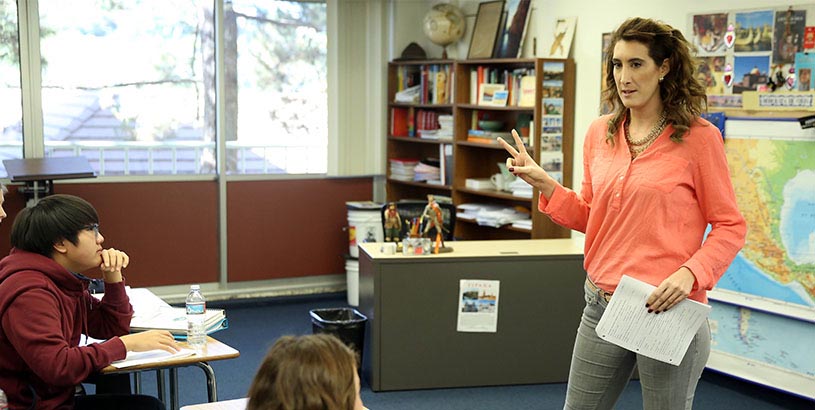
(313,372)
(60,226)
(3,191)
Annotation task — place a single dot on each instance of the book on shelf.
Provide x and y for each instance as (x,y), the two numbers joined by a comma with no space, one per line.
(500,98)
(446,164)
(527,87)
(399,122)
(478,183)
(409,95)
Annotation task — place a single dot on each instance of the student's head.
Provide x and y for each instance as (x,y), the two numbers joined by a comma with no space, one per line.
(312,372)
(650,64)
(60,226)
(3,191)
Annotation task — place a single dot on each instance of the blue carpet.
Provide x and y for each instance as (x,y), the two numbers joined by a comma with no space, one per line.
(255,324)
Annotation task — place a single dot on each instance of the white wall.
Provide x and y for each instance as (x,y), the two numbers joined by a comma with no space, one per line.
(593,19)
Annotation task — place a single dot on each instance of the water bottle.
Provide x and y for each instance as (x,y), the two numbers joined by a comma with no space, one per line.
(3,400)
(196,309)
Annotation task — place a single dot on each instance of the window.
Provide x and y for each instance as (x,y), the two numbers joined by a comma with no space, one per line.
(130,85)
(11,107)
(276,86)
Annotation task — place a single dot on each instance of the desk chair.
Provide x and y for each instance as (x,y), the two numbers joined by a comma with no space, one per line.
(409,209)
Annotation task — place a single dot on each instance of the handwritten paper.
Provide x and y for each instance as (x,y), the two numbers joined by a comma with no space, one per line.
(664,337)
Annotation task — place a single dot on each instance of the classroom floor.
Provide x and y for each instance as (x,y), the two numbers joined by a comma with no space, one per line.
(254,325)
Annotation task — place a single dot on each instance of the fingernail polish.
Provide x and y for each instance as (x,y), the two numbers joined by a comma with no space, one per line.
(647,305)
(650,311)
(512,170)
(657,313)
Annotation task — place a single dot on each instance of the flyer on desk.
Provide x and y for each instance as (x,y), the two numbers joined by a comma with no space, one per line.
(478,305)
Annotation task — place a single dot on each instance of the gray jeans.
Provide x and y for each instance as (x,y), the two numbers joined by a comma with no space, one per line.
(600,370)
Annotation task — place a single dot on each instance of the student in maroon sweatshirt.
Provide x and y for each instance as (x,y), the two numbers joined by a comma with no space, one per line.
(45,306)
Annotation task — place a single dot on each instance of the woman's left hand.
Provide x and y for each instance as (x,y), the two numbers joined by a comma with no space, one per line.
(671,291)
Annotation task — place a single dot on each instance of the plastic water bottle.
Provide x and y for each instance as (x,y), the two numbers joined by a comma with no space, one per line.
(196,312)
(3,400)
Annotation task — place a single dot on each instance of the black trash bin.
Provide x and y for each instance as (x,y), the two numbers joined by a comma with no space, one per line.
(345,323)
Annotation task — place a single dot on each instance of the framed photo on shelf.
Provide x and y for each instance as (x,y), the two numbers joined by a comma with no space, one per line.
(513,29)
(487,23)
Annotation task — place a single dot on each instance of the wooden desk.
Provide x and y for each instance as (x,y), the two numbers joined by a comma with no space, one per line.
(412,308)
(214,350)
(237,404)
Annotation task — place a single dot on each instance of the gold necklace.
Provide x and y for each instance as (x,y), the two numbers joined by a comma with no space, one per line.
(637,147)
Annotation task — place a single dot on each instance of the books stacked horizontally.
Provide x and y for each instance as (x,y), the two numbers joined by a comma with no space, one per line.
(151,312)
(488,137)
(491,214)
(520,188)
(402,169)
(174,320)
(428,170)
(445,131)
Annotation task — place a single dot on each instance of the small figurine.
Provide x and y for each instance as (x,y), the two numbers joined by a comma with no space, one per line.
(436,220)
(393,224)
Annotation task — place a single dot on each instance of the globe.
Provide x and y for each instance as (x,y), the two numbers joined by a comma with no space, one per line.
(444,24)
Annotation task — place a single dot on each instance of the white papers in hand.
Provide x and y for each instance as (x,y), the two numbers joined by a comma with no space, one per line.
(150,356)
(664,337)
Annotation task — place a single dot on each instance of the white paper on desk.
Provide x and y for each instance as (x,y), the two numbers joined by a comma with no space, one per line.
(150,356)
(664,337)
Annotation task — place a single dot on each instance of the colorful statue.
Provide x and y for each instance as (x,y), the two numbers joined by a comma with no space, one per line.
(435,220)
(393,224)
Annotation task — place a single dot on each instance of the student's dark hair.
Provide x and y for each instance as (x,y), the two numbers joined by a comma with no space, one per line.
(51,219)
(683,96)
(311,372)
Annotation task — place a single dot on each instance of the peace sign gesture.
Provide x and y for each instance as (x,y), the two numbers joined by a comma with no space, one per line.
(524,166)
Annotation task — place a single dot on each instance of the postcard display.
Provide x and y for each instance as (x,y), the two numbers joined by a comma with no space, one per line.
(763,309)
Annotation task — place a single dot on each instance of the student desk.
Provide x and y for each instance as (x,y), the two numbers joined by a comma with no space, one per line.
(412,308)
(236,404)
(214,350)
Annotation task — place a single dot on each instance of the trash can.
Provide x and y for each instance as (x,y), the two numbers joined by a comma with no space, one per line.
(345,323)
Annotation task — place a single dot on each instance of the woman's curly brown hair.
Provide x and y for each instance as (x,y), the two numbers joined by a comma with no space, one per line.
(683,96)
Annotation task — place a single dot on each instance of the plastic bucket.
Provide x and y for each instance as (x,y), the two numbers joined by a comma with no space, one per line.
(352,277)
(364,225)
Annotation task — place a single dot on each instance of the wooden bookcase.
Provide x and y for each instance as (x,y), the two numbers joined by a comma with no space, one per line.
(401,146)
(553,84)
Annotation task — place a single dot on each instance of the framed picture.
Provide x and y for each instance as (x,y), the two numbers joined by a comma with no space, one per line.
(513,29)
(487,23)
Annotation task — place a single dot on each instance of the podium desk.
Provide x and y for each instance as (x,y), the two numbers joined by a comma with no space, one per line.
(214,350)
(412,308)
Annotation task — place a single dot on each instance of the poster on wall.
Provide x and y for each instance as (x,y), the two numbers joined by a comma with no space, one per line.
(710,73)
(754,31)
(560,42)
(478,305)
(789,35)
(750,73)
(708,33)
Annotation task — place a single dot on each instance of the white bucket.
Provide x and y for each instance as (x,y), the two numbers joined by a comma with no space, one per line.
(364,225)
(352,277)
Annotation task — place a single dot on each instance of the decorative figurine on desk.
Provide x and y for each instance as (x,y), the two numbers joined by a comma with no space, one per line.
(433,211)
(393,223)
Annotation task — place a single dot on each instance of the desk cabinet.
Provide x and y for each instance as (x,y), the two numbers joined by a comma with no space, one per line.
(412,308)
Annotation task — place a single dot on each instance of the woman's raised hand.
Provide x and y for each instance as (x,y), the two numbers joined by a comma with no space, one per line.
(524,166)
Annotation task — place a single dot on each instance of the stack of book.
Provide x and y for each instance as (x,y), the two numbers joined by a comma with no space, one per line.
(174,320)
(520,188)
(445,131)
(402,169)
(427,171)
(488,137)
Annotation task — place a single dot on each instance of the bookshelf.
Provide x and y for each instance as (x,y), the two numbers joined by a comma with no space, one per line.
(412,123)
(539,97)
(550,114)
